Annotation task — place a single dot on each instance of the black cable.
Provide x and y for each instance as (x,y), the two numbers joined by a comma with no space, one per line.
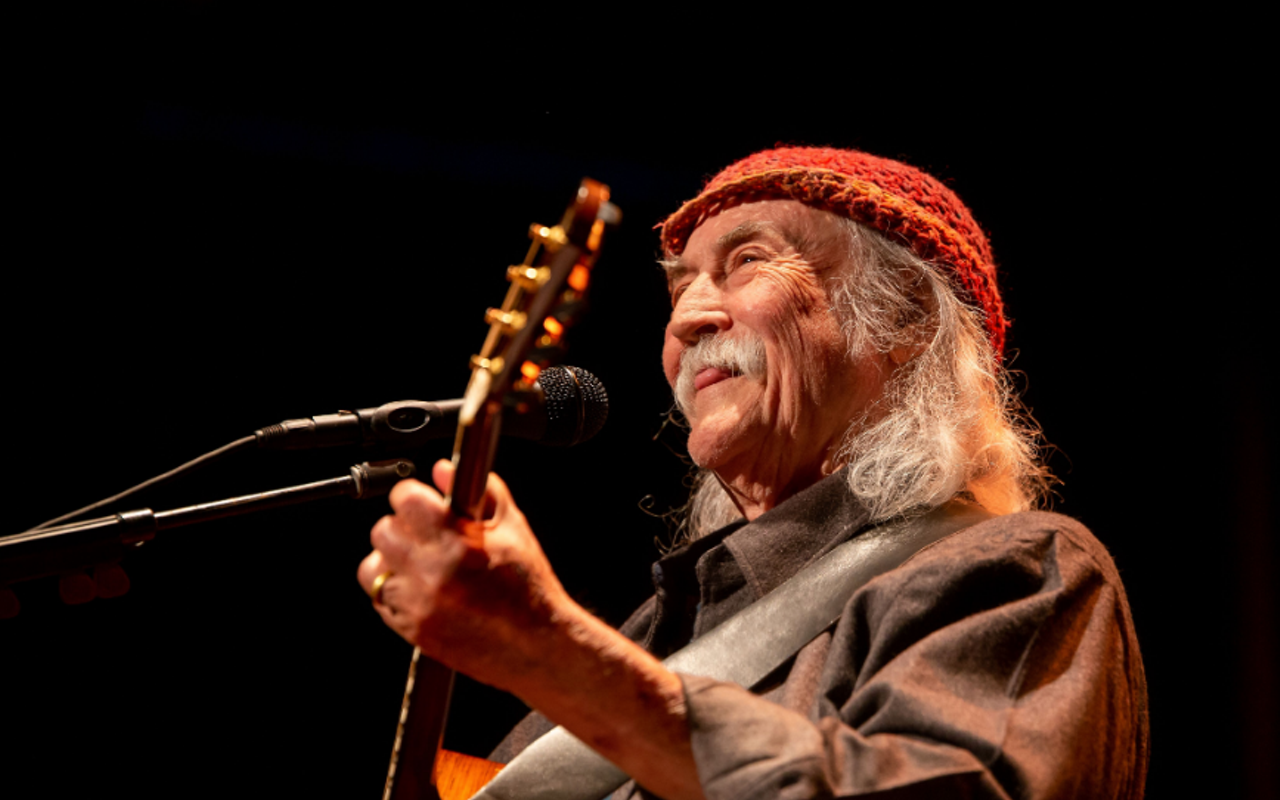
(195,463)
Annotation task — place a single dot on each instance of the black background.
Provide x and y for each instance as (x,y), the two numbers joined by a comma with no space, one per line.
(219,220)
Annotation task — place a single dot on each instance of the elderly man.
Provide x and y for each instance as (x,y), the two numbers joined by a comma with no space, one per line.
(834,342)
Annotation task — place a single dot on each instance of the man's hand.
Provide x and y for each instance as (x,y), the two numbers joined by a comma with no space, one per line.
(480,597)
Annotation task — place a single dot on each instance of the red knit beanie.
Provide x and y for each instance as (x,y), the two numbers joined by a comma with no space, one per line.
(905,204)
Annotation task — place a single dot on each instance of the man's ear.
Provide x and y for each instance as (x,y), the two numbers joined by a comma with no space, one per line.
(905,352)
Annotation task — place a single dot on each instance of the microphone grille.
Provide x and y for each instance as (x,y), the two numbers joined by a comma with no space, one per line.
(576,404)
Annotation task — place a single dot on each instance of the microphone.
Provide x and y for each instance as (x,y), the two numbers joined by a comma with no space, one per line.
(567,406)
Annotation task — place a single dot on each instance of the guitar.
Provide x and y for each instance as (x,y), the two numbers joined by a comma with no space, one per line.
(525,335)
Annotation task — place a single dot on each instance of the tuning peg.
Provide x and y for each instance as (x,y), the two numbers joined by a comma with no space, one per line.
(511,320)
(551,238)
(492,365)
(529,278)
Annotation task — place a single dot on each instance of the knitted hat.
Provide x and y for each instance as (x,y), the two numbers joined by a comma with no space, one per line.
(905,204)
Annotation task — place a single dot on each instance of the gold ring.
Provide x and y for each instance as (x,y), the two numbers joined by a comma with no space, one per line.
(375,591)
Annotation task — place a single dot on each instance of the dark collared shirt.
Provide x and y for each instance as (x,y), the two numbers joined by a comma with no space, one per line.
(998,662)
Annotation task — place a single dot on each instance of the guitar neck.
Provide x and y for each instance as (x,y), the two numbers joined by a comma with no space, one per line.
(474,450)
(420,731)
(521,325)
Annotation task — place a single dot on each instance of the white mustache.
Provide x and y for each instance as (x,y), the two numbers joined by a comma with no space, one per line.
(739,355)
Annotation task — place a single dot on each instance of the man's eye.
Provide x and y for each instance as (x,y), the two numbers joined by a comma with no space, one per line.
(677,292)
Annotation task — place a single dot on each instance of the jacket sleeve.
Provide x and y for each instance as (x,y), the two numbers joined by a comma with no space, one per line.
(999,662)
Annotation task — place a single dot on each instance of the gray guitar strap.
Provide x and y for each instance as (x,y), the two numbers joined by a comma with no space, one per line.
(743,650)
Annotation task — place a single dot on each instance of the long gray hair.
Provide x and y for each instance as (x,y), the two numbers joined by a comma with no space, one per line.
(948,420)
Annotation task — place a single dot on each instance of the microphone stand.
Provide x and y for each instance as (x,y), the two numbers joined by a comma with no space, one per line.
(91,543)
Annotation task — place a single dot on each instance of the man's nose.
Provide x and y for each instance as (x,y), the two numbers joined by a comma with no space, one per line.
(699,312)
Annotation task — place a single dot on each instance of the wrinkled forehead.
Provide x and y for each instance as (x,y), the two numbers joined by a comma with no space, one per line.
(812,233)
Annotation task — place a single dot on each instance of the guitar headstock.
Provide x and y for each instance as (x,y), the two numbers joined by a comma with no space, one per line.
(526,333)
(547,291)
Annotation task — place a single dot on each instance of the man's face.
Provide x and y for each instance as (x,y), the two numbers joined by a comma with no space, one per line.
(757,276)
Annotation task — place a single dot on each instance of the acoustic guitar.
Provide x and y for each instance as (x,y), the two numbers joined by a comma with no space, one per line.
(525,336)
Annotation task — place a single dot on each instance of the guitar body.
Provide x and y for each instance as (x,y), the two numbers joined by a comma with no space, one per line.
(545,294)
(458,777)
